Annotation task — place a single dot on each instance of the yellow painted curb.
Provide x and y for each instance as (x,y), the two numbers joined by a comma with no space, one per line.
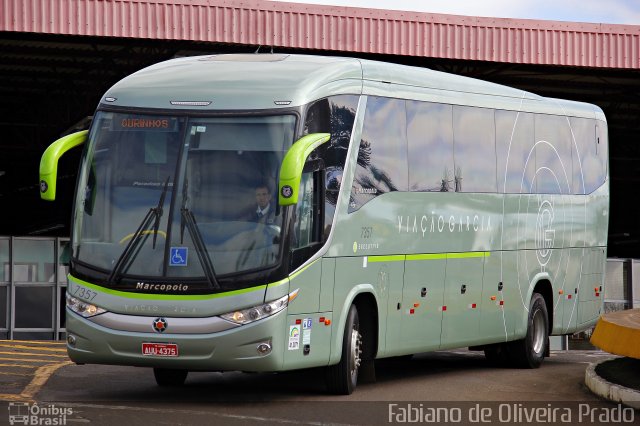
(619,333)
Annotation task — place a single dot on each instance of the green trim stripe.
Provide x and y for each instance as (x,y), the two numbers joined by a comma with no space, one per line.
(429,256)
(175,297)
(393,258)
(300,271)
(468,254)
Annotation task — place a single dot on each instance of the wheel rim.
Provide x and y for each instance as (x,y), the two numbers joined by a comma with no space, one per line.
(356,351)
(538,332)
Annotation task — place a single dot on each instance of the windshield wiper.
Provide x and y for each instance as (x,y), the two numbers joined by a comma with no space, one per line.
(189,220)
(134,242)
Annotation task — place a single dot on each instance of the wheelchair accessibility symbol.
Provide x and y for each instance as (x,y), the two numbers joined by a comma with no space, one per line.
(178,256)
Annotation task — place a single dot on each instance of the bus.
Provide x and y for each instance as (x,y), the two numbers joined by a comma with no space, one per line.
(408,211)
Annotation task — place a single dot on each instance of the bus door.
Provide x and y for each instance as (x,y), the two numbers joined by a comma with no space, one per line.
(461,307)
(422,301)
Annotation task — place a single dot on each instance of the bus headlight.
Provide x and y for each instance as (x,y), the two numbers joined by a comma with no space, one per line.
(83,308)
(246,316)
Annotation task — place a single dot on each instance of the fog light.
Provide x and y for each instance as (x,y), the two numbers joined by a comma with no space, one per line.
(264,348)
(71,340)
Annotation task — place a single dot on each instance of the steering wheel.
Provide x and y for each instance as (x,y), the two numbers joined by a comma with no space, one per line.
(145,232)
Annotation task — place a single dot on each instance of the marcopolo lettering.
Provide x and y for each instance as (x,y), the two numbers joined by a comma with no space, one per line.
(161,287)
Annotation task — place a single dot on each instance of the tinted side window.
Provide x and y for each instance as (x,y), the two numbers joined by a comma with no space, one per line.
(515,152)
(474,149)
(588,173)
(430,139)
(335,115)
(382,155)
(554,174)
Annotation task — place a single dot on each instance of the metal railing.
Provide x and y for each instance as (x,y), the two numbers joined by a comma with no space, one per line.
(33,282)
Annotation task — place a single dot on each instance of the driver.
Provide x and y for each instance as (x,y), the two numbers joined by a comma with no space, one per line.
(265,213)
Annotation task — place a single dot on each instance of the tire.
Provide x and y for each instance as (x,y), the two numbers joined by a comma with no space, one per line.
(530,351)
(342,378)
(166,377)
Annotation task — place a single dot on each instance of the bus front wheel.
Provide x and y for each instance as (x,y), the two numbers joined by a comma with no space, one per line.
(342,378)
(530,351)
(170,377)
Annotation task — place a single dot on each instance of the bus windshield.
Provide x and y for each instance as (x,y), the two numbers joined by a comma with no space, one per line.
(163,196)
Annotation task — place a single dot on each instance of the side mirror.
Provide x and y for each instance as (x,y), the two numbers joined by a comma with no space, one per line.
(293,164)
(49,162)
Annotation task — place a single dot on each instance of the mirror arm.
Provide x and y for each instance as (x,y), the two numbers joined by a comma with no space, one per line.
(49,162)
(293,164)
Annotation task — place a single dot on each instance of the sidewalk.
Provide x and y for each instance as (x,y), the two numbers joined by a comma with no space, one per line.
(617,379)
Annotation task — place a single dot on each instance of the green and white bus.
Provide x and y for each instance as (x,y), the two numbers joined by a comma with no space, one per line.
(408,211)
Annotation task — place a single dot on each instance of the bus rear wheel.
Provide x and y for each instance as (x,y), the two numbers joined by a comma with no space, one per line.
(342,378)
(530,351)
(170,377)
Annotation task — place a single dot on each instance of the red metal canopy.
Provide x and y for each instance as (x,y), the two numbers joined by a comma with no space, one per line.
(304,26)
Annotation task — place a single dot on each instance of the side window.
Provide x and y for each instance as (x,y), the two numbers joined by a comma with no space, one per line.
(553,155)
(382,154)
(303,218)
(588,173)
(474,149)
(335,115)
(430,140)
(515,152)
(602,148)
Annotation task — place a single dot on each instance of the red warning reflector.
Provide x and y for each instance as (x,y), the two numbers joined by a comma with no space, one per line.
(298,321)
(412,311)
(321,319)
(569,296)
(597,294)
(502,303)
(444,308)
(472,306)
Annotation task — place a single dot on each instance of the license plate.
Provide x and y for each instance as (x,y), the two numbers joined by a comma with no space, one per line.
(160,349)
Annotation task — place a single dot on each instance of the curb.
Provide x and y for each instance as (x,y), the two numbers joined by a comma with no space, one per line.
(608,390)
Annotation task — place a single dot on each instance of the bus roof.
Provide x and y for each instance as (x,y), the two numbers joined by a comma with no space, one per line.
(270,81)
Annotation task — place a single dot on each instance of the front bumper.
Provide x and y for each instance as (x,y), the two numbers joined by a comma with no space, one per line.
(233,349)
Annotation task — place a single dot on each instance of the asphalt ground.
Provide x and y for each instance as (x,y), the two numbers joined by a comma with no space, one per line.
(36,378)
(25,366)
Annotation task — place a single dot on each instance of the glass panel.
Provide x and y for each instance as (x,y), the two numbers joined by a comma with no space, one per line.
(588,173)
(430,137)
(515,152)
(474,150)
(554,174)
(4,306)
(231,170)
(64,254)
(62,313)
(382,156)
(338,114)
(33,260)
(4,260)
(34,307)
(303,220)
(129,168)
